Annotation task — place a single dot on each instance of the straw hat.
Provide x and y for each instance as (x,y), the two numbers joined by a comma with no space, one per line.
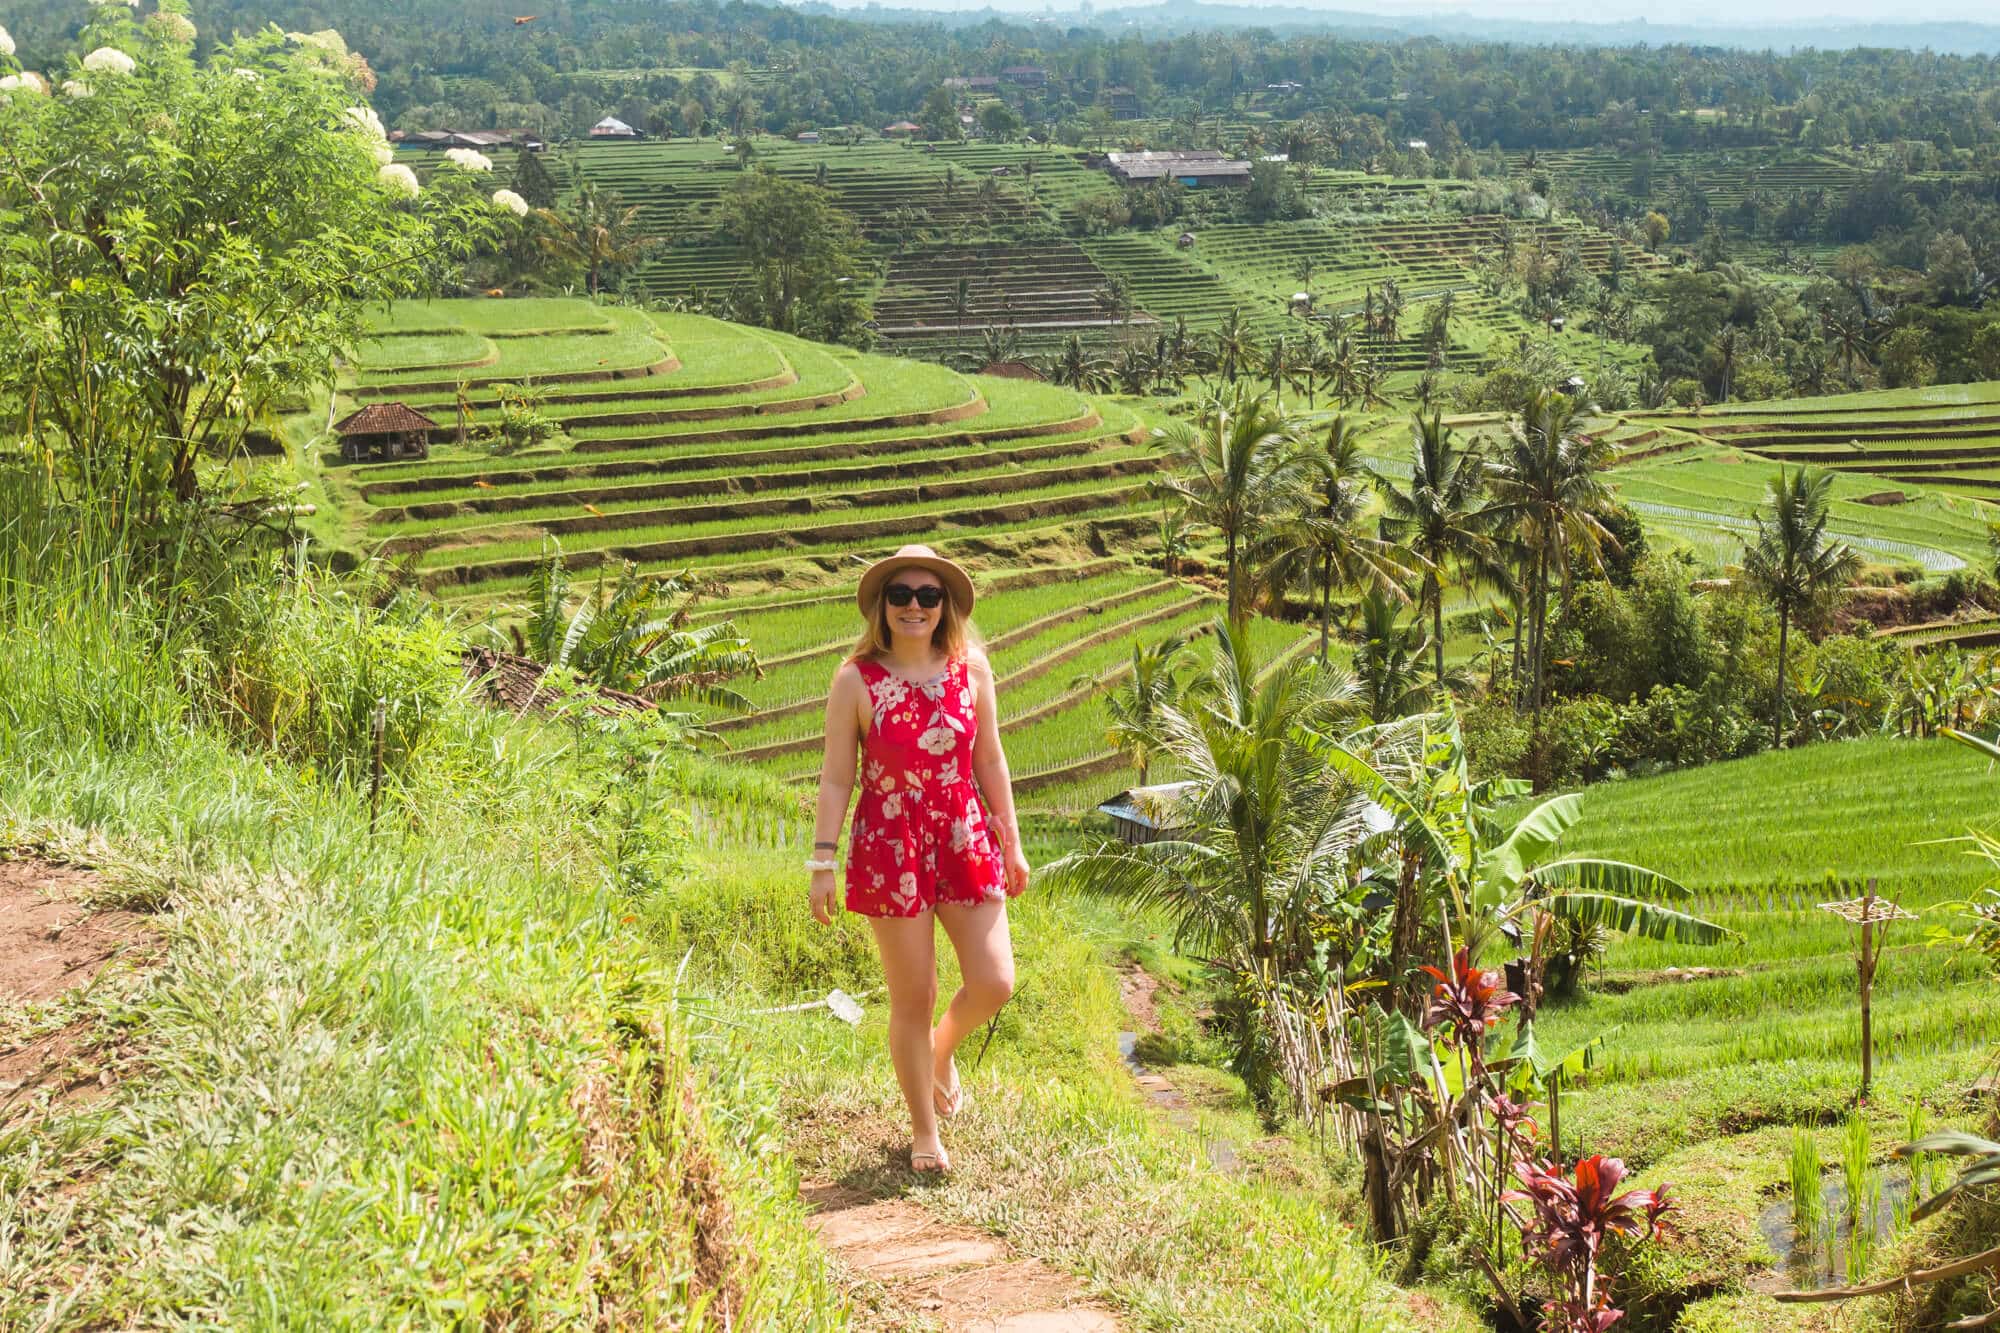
(956,581)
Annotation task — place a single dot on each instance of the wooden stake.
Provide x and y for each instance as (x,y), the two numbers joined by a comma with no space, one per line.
(378,725)
(1867,989)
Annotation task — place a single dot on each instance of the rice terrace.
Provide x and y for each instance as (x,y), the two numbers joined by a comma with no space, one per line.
(812,667)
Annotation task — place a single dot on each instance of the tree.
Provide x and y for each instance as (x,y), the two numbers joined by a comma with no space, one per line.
(1388,663)
(939,116)
(999,121)
(532,180)
(1321,543)
(1439,517)
(1657,229)
(1235,345)
(1114,298)
(598,234)
(1794,563)
(1079,367)
(1234,467)
(1138,705)
(961,300)
(1906,360)
(185,245)
(804,255)
(1548,487)
(634,636)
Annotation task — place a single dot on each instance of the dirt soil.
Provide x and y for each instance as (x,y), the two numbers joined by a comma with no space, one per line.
(50,943)
(957,1278)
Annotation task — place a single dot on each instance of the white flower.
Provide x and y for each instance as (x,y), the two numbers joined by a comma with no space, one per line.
(363,118)
(28,82)
(75,88)
(249,75)
(109,60)
(400,179)
(465,159)
(512,202)
(384,155)
(906,883)
(961,835)
(937,740)
(176,27)
(130,4)
(892,805)
(6,43)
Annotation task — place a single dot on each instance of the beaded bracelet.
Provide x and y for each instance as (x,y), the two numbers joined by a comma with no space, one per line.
(817,865)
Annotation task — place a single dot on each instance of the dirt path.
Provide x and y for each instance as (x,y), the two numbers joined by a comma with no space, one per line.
(954,1277)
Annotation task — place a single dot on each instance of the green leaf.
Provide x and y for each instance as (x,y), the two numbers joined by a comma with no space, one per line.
(1634,917)
(1596,875)
(1507,864)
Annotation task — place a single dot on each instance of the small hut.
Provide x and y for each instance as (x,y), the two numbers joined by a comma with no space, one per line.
(381,432)
(1137,813)
(1187,240)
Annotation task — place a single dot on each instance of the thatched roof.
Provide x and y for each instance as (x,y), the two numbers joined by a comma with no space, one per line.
(515,683)
(385,419)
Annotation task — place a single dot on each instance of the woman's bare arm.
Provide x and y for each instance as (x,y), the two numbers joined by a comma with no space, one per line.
(989,771)
(844,702)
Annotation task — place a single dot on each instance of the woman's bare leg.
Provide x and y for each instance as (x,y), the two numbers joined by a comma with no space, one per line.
(986,965)
(908,946)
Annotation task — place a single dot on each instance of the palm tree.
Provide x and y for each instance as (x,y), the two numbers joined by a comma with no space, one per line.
(1235,344)
(1728,349)
(634,636)
(1549,488)
(1388,664)
(1321,543)
(1138,704)
(1133,368)
(1114,298)
(1263,835)
(1079,367)
(1234,467)
(1282,364)
(1793,563)
(1340,368)
(999,344)
(961,300)
(599,233)
(1440,518)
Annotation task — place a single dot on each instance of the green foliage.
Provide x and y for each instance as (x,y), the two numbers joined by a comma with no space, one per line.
(804,256)
(153,318)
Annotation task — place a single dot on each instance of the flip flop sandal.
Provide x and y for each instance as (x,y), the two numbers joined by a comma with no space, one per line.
(930,1163)
(950,1103)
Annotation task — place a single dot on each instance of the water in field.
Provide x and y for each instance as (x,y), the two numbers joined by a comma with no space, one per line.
(1810,1262)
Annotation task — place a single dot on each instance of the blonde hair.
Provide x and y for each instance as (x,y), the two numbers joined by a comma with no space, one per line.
(955,635)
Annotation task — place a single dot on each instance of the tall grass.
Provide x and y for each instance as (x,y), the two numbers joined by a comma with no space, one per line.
(1806,1201)
(1864,1194)
(420,1078)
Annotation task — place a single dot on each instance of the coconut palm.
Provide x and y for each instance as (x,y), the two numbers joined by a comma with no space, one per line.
(1389,661)
(1548,488)
(1139,702)
(1114,298)
(599,232)
(1794,563)
(1321,542)
(1283,361)
(1079,367)
(1263,836)
(1235,345)
(1439,516)
(1235,467)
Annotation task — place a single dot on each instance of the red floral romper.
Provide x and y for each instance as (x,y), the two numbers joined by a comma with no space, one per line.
(920,835)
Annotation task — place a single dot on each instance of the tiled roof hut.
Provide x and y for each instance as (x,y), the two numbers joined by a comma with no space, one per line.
(380,432)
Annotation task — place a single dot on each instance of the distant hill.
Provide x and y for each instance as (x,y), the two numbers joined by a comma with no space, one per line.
(1946,37)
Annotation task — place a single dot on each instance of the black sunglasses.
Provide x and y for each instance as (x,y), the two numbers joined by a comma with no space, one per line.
(929,597)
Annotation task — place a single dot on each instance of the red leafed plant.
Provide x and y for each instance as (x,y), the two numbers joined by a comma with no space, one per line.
(1571,1219)
(1471,1000)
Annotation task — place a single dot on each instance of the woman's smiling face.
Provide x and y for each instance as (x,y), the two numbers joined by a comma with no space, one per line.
(913,618)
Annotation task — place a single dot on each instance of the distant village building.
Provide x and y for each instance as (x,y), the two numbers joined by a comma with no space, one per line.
(380,432)
(1122,103)
(1195,168)
(1284,86)
(1420,145)
(1187,240)
(527,140)
(613,128)
(977,83)
(1026,76)
(902,129)
(808,136)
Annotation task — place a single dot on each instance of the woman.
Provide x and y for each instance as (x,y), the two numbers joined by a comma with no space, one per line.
(915,702)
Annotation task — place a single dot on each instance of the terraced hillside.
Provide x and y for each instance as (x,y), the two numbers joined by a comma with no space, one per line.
(767,464)
(1040,293)
(1917,469)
